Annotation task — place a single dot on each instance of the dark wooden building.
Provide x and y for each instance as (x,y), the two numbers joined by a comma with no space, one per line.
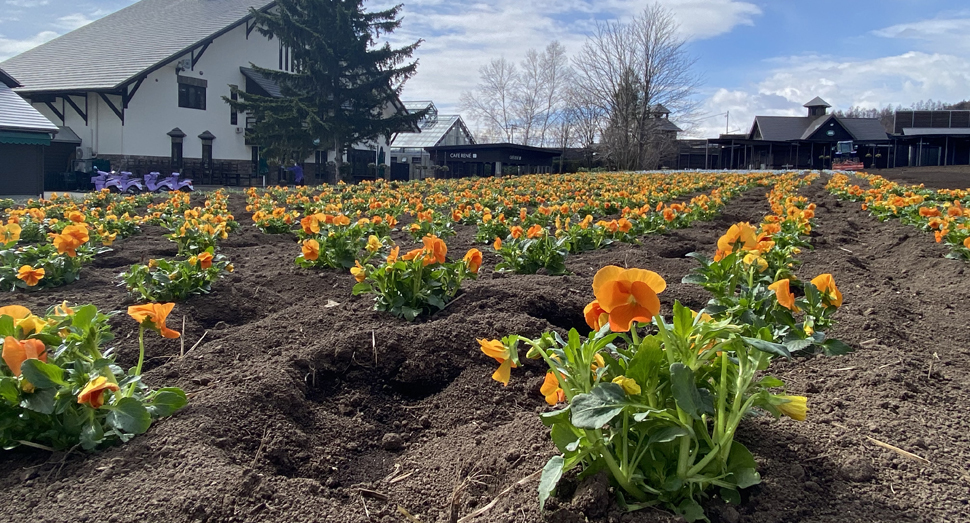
(816,141)
(931,138)
(24,135)
(489,159)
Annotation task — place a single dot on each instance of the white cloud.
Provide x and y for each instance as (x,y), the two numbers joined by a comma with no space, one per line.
(27,3)
(891,80)
(10,47)
(951,32)
(460,38)
(72,21)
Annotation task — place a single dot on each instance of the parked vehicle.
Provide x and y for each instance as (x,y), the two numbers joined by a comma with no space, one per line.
(180,185)
(123,182)
(154,184)
(100,181)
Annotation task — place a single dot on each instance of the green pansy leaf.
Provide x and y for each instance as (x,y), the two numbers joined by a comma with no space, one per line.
(42,375)
(9,390)
(41,401)
(51,340)
(91,435)
(130,416)
(798,345)
(550,419)
(730,496)
(766,346)
(166,402)
(84,316)
(666,435)
(688,397)
(691,511)
(835,347)
(6,326)
(551,473)
(696,279)
(603,403)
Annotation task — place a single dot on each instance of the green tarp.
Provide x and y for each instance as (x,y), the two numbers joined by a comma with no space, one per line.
(25,138)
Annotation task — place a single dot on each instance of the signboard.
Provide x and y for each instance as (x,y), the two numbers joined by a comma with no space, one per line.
(515,158)
(463,156)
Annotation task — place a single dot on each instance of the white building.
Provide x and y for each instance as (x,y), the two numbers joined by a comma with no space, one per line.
(143,87)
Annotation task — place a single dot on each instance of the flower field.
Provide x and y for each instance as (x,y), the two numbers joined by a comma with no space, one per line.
(402,352)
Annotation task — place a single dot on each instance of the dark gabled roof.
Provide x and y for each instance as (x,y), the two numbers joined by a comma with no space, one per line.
(660,109)
(667,125)
(865,129)
(66,135)
(112,51)
(817,102)
(266,84)
(798,128)
(780,128)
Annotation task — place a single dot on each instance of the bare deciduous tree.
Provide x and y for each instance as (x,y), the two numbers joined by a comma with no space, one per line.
(521,103)
(494,105)
(629,71)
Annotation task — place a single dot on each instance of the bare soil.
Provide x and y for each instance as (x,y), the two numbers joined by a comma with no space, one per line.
(307,406)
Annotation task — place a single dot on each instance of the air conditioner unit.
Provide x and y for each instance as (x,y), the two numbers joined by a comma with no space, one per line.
(82,153)
(240,130)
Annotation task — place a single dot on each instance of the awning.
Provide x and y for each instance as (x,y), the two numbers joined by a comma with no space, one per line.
(268,86)
(25,138)
(66,135)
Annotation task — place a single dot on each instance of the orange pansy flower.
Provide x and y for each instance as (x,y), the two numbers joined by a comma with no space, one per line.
(93,393)
(496,349)
(30,275)
(205,259)
(783,293)
(154,314)
(551,390)
(595,316)
(628,295)
(474,260)
(311,249)
(16,352)
(830,293)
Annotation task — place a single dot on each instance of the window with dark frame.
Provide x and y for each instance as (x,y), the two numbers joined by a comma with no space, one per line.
(192,92)
(234,96)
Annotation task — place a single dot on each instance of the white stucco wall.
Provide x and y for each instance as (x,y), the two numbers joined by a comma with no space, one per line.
(153,110)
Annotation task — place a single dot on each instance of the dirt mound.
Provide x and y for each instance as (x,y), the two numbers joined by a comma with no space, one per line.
(306,405)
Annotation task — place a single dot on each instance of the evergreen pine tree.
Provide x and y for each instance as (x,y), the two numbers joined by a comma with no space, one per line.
(342,82)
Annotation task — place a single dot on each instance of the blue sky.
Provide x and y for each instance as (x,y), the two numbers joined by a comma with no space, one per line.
(754,57)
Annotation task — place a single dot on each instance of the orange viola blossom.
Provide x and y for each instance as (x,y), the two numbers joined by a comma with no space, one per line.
(551,390)
(535,231)
(595,316)
(10,233)
(153,315)
(496,350)
(360,274)
(624,225)
(72,237)
(740,235)
(205,259)
(516,232)
(783,293)
(474,260)
(93,393)
(830,293)
(497,245)
(30,275)
(311,249)
(392,256)
(929,212)
(966,242)
(628,295)
(341,220)
(16,352)
(434,251)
